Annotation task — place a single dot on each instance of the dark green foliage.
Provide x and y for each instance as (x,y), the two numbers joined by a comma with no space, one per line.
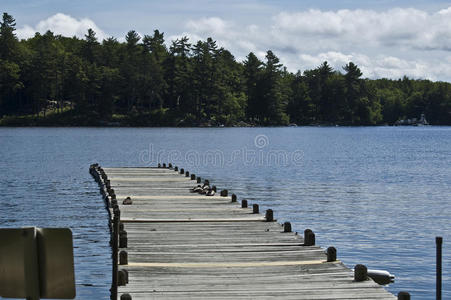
(54,80)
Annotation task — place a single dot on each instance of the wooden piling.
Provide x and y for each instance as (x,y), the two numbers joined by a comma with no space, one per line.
(123,240)
(360,273)
(126,297)
(123,257)
(255,208)
(234,198)
(309,237)
(244,203)
(331,254)
(121,278)
(287,227)
(269,216)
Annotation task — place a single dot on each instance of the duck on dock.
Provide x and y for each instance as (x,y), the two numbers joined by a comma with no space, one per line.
(211,191)
(201,189)
(204,190)
(196,189)
(127,201)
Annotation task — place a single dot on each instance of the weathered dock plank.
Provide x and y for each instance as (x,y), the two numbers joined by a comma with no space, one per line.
(181,245)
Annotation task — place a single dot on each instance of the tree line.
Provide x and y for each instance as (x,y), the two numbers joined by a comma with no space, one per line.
(143,82)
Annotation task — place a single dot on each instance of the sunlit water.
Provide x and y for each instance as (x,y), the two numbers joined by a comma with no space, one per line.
(380,195)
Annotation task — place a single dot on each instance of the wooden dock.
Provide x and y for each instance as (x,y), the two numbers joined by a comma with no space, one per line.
(174,244)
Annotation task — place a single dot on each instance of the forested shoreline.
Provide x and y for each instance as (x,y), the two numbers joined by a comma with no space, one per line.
(51,80)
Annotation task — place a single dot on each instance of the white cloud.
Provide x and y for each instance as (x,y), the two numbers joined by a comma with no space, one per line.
(409,28)
(215,26)
(64,25)
(25,32)
(380,66)
(391,43)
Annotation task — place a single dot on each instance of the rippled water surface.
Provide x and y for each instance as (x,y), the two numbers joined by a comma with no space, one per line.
(380,195)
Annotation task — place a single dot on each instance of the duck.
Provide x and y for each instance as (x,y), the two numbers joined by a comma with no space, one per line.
(127,201)
(211,191)
(195,189)
(199,188)
(204,190)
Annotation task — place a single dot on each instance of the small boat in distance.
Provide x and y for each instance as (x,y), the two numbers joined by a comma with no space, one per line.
(413,122)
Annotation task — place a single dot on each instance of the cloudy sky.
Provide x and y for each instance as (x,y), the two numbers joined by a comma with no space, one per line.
(385,38)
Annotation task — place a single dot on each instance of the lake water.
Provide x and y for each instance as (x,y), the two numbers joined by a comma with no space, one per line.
(380,195)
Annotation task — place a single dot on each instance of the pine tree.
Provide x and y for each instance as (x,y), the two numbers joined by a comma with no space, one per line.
(252,77)
(8,40)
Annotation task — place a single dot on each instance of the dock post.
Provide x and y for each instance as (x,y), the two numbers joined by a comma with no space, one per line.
(438,243)
(403,296)
(126,297)
(176,168)
(331,254)
(309,238)
(234,198)
(116,220)
(244,203)
(123,240)
(126,275)
(182,171)
(186,174)
(123,258)
(360,273)
(269,215)
(255,209)
(199,180)
(193,176)
(122,277)
(287,227)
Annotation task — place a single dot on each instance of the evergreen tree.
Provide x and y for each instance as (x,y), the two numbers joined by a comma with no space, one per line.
(154,84)
(90,47)
(300,107)
(272,96)
(253,77)
(10,79)
(178,72)
(8,40)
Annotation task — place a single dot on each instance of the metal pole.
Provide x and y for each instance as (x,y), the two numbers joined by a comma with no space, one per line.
(438,242)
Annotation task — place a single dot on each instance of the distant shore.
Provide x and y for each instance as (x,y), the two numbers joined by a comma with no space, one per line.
(71,119)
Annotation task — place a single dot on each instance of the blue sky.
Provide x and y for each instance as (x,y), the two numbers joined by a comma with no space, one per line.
(385,38)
